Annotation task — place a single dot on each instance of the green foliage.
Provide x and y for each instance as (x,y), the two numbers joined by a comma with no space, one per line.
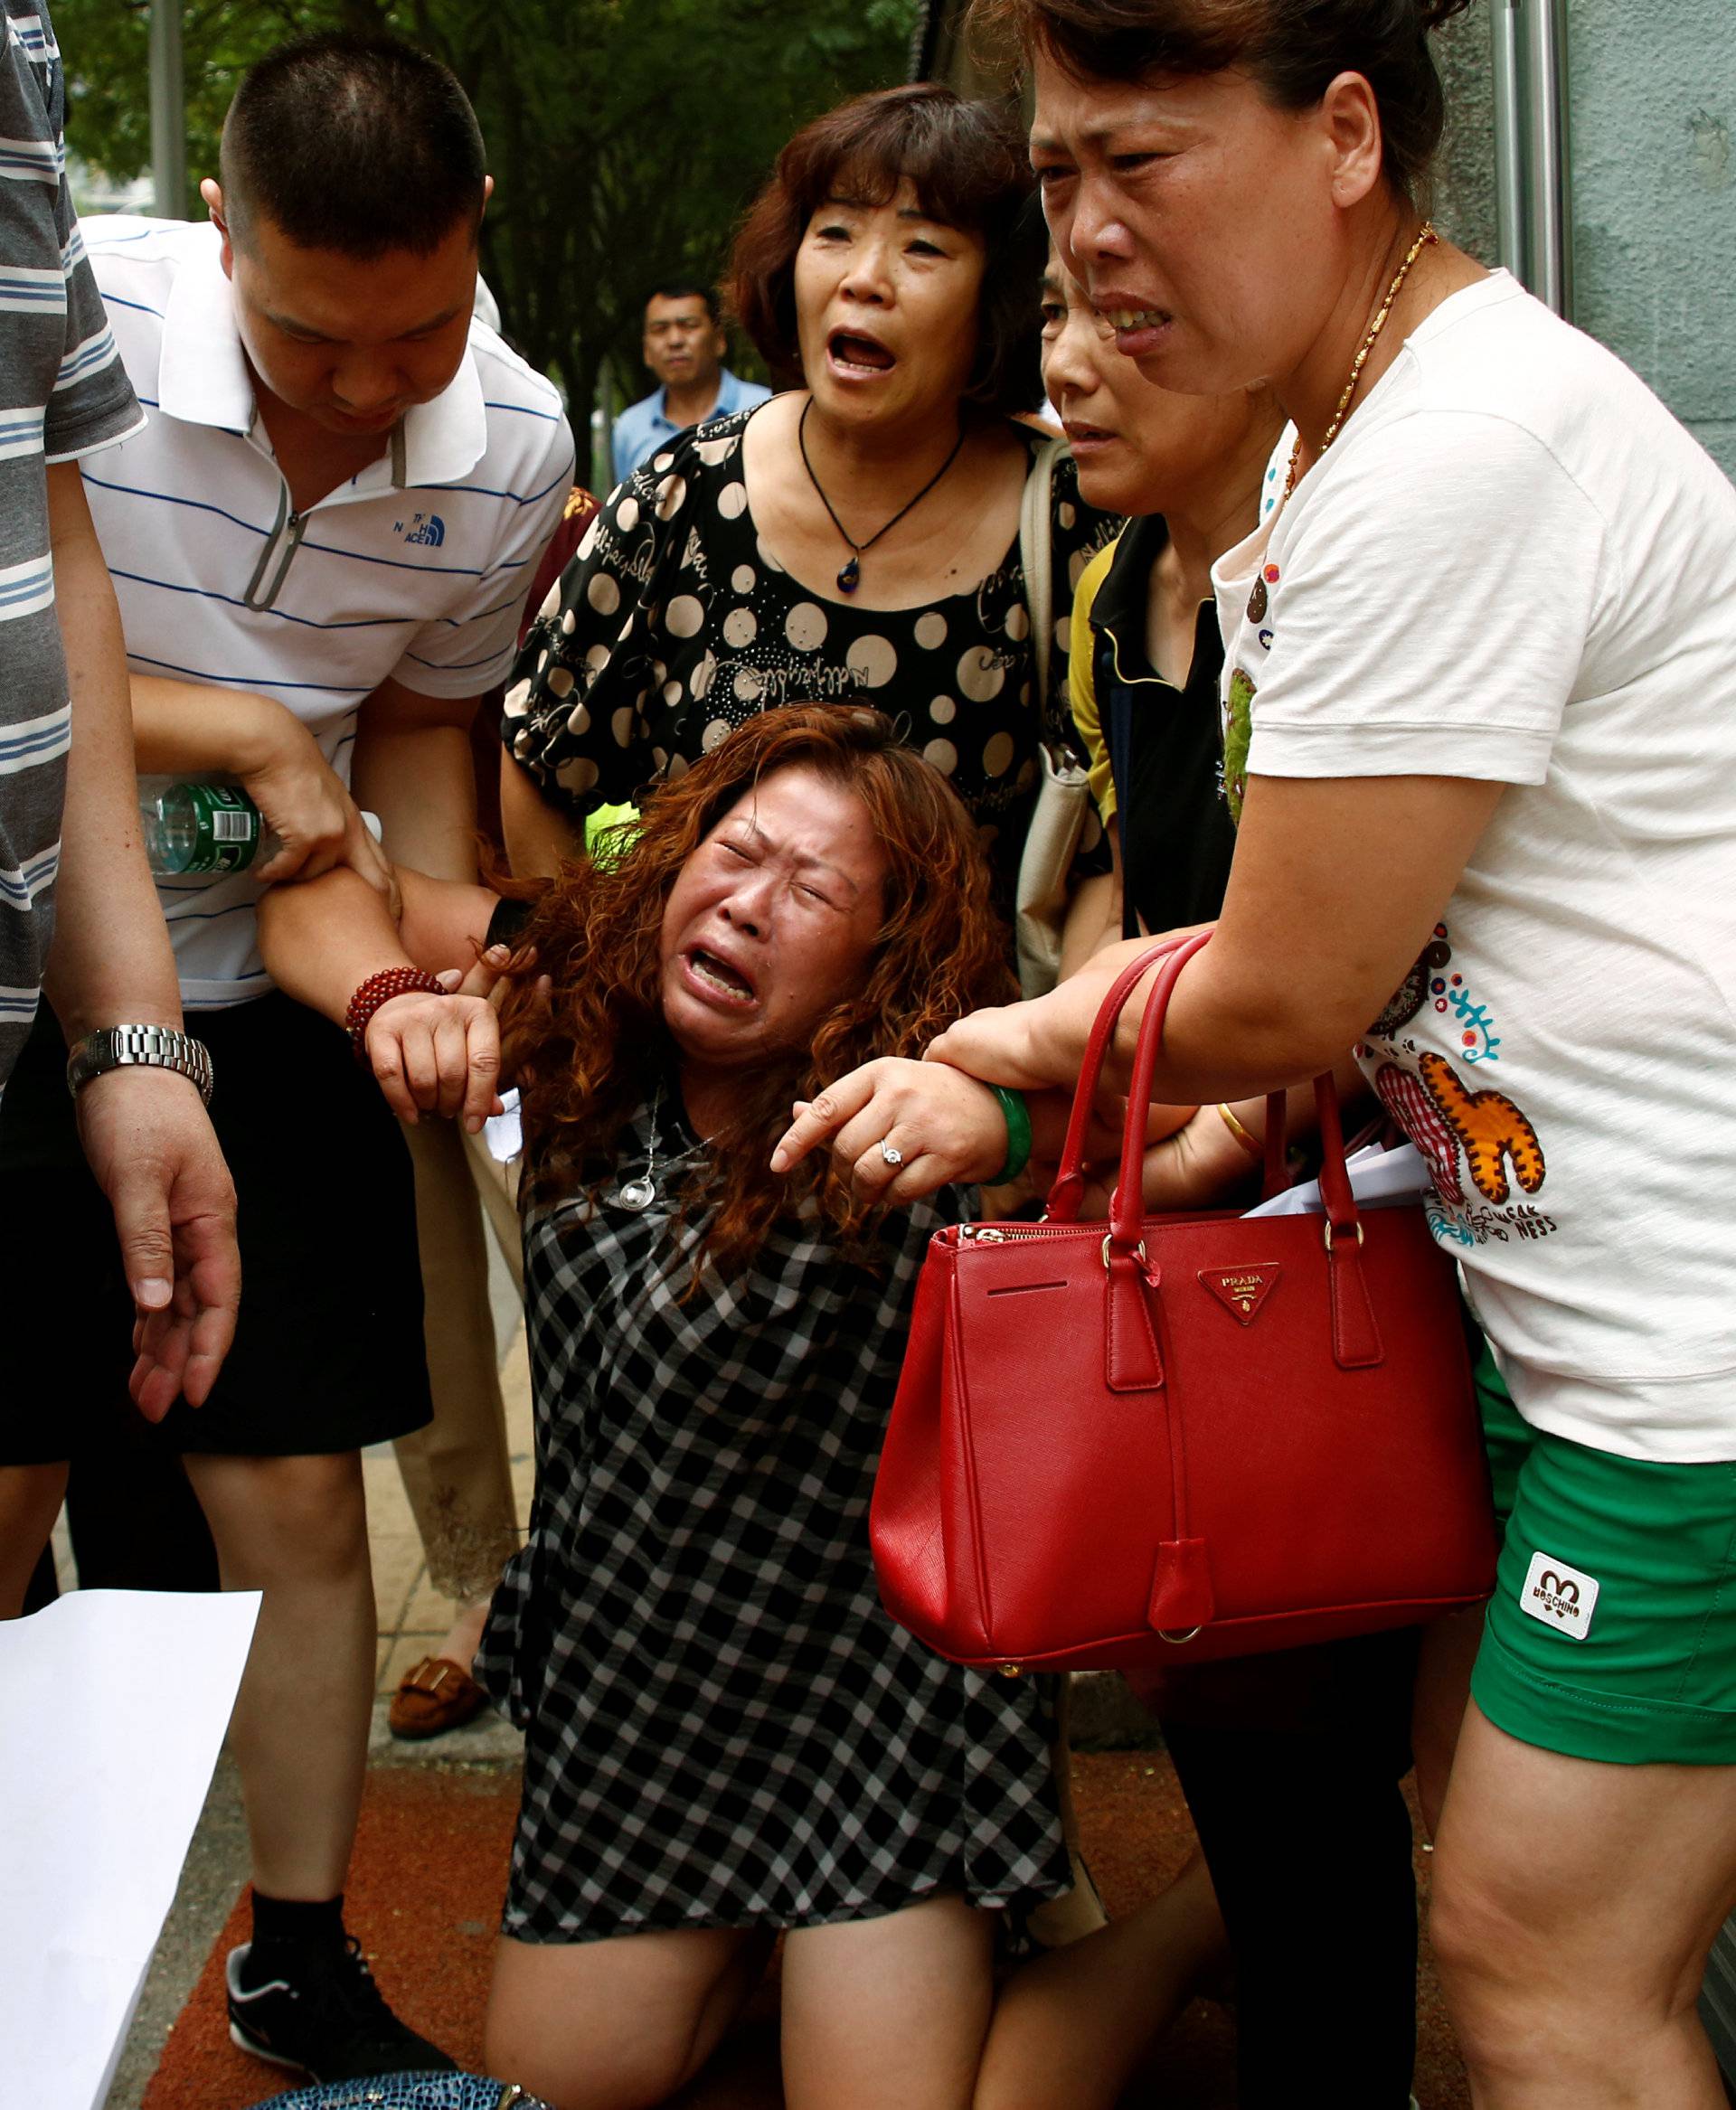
(626,137)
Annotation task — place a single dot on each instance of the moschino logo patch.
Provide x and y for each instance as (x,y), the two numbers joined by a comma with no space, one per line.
(1561,1596)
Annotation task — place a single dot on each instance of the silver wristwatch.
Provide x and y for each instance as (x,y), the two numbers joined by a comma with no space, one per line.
(155,1047)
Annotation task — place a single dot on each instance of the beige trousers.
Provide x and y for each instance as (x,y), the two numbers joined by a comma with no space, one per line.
(455,1470)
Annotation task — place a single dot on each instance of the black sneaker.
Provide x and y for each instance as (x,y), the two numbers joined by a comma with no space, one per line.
(332,2023)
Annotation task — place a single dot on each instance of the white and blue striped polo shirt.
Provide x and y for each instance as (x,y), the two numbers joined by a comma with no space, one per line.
(415,570)
(62,395)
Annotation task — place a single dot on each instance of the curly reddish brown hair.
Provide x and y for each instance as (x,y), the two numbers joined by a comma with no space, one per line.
(583,1054)
(968,163)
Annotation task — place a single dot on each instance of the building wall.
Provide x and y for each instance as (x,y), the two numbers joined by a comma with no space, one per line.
(1463,190)
(1652,106)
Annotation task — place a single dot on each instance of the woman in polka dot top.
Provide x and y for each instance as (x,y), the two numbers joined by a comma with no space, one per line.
(857,537)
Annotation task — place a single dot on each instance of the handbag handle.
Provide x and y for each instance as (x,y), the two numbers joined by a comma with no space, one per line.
(1068,1192)
(1127,1209)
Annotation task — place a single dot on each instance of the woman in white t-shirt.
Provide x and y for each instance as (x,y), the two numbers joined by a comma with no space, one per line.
(1481,740)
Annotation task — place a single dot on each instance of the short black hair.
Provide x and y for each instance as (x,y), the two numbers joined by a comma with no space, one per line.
(688,290)
(353,143)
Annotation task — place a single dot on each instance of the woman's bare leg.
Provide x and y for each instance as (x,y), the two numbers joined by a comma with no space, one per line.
(1080,1912)
(895,2013)
(888,2013)
(619,2024)
(30,1500)
(1072,2026)
(463,1637)
(1448,1650)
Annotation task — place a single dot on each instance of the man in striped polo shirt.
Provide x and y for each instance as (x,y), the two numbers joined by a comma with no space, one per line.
(320,543)
(71,862)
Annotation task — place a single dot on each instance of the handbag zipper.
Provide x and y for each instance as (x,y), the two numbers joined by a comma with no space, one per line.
(994,1234)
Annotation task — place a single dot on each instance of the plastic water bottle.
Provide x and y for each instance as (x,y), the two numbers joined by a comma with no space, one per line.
(192,829)
(206,829)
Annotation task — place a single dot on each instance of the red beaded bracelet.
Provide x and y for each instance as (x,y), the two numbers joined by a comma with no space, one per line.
(380,989)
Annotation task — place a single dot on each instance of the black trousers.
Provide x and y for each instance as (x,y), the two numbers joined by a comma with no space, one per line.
(1292,1772)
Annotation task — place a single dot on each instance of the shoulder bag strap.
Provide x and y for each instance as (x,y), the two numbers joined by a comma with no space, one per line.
(1036,560)
(1118,729)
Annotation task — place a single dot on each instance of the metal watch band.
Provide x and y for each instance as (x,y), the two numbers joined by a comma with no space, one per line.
(154,1047)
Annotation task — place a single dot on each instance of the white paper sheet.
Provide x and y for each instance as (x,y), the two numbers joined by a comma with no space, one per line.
(113,1705)
(501,1132)
(1379,1179)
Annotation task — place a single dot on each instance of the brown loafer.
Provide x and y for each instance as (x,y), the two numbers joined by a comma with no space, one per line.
(436,1695)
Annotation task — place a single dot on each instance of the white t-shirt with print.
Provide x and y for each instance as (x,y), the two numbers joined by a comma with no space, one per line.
(1515,565)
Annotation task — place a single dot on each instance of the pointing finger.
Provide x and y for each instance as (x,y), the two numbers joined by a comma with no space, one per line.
(837,1104)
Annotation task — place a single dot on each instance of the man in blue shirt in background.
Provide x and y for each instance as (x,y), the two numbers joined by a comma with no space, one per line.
(683,348)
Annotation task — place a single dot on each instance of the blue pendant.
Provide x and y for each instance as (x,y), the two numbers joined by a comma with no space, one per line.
(850,577)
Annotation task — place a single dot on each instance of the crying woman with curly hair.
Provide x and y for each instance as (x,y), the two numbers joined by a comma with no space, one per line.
(725,1735)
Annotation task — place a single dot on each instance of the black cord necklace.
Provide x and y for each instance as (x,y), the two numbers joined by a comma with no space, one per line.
(850,577)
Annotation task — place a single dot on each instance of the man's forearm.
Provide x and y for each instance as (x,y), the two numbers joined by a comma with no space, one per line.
(321,938)
(187,728)
(110,961)
(422,783)
(190,729)
(539,840)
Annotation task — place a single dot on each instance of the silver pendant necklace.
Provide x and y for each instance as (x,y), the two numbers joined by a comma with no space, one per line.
(640,1191)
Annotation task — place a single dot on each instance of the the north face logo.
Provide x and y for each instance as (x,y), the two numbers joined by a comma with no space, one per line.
(1241,1291)
(424,531)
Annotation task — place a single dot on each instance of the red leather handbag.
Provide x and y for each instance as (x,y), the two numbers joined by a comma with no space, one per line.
(1177,1438)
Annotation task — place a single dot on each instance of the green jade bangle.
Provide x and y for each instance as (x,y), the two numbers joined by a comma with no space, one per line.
(1018,1135)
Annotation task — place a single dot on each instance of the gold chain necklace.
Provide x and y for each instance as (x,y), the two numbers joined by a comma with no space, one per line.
(1423,240)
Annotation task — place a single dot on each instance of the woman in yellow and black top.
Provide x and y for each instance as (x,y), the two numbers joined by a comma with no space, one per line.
(1153,740)
(1291,1764)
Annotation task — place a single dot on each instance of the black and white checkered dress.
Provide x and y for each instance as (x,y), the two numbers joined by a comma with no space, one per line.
(723,1729)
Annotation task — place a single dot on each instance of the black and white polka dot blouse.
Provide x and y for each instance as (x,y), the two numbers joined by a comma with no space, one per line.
(674,624)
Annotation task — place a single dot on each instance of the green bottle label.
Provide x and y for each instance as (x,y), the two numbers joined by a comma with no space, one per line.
(228,828)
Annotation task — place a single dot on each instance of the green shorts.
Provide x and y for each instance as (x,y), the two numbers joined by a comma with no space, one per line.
(1612,1631)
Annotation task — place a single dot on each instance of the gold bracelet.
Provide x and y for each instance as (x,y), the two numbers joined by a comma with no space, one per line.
(1250,1144)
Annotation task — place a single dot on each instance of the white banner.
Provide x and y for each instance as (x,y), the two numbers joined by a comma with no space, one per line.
(113,1705)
